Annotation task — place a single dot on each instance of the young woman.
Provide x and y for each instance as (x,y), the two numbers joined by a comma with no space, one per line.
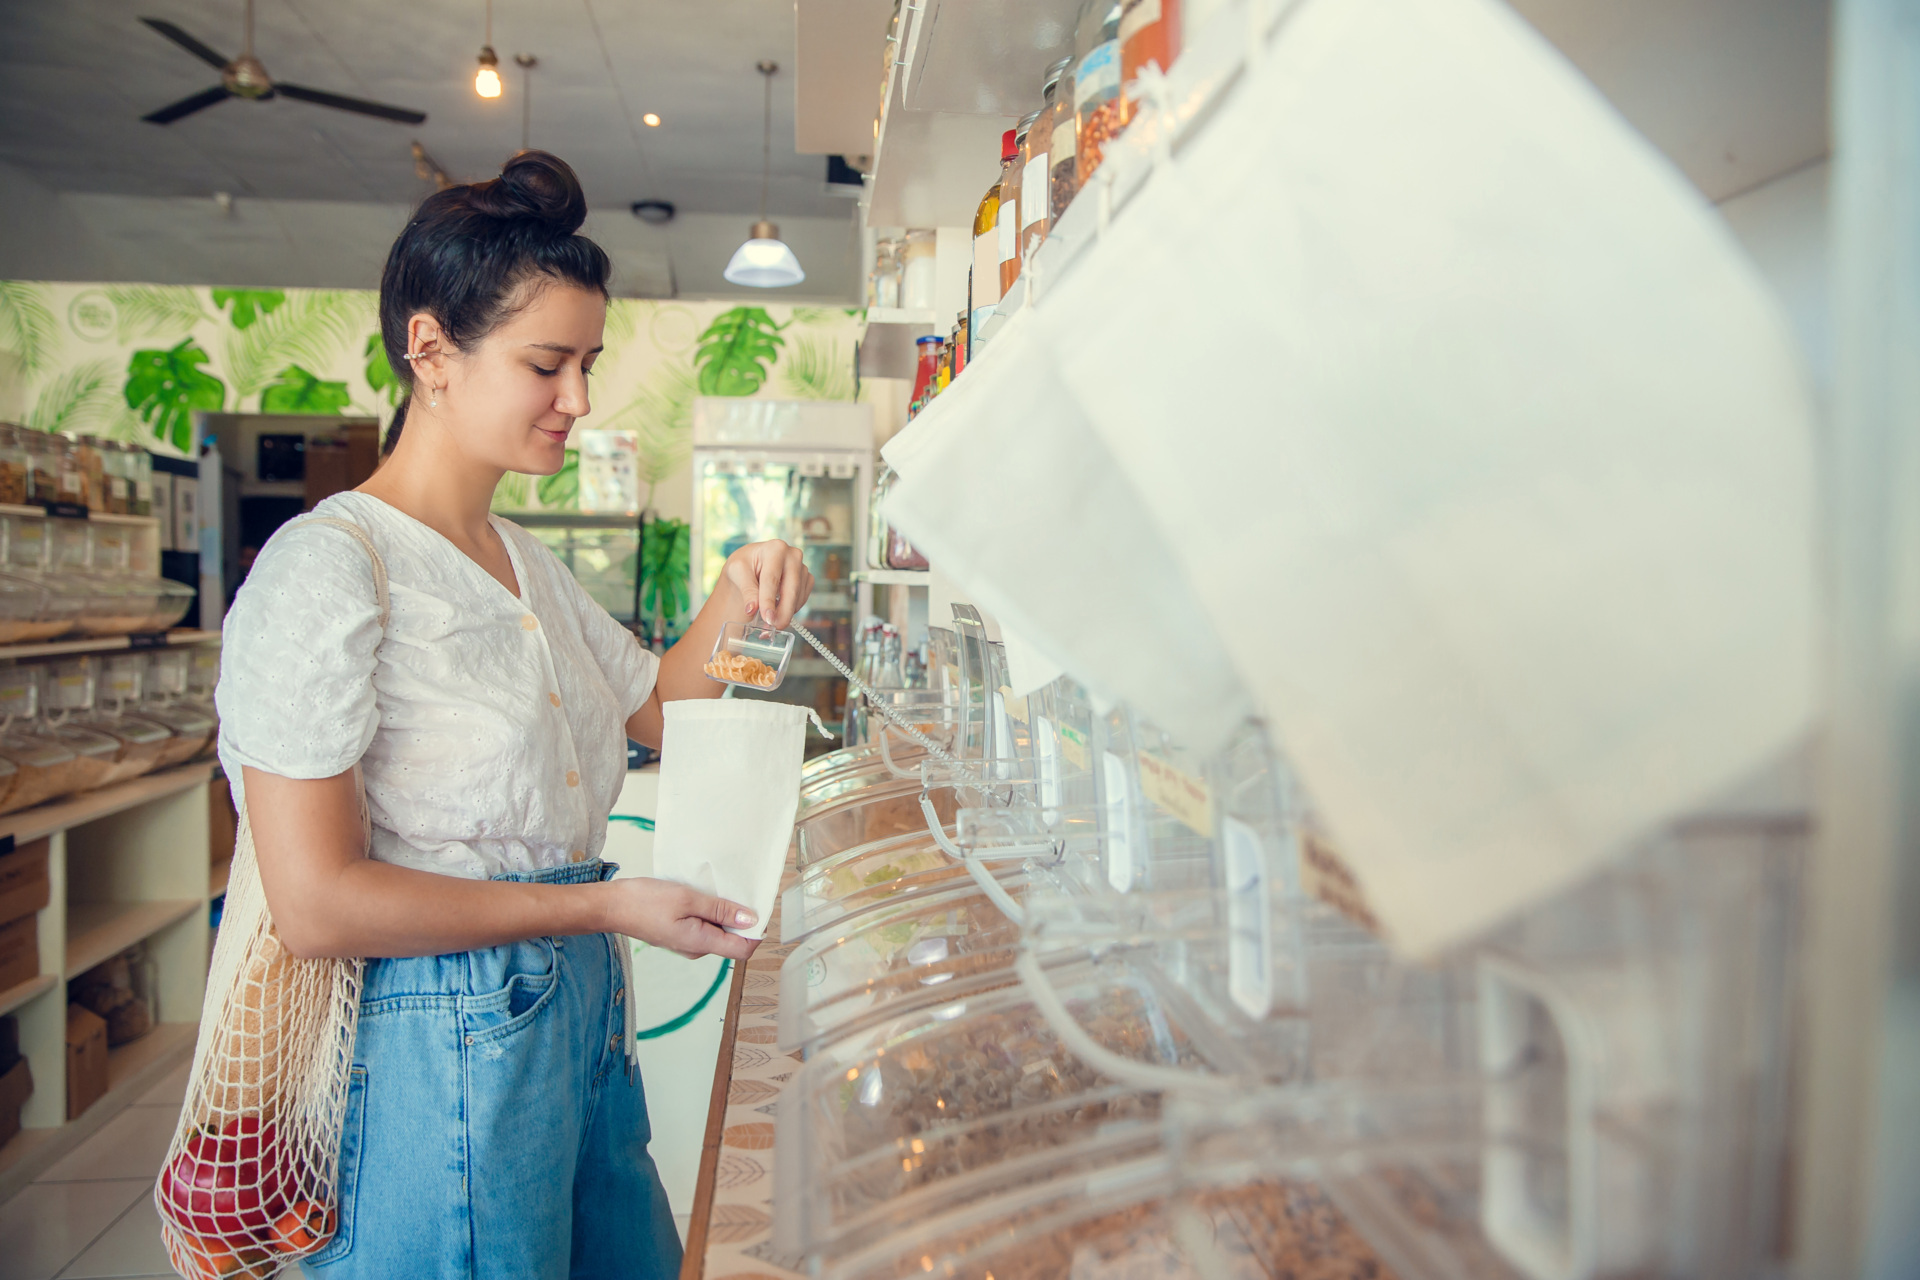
(495,1126)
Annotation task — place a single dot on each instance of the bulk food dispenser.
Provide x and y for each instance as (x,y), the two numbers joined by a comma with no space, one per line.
(1113,1009)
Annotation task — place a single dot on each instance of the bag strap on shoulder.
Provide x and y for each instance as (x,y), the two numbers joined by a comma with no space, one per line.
(379,565)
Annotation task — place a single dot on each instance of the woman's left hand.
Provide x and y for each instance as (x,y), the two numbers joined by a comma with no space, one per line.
(772,580)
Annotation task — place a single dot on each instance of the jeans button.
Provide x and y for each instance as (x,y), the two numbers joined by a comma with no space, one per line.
(619,995)
(614,1044)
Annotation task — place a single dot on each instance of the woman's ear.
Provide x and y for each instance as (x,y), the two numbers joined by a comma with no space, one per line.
(427,350)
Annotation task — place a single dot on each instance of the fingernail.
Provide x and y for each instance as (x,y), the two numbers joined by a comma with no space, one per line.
(744,917)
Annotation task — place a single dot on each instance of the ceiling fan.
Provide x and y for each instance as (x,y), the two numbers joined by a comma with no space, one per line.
(246,77)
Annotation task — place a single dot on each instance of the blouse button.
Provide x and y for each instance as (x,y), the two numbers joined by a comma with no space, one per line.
(528,622)
(573,777)
(578,855)
(554,698)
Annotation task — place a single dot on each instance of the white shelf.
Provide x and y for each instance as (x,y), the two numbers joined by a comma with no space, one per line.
(898,315)
(986,57)
(98,931)
(896,577)
(103,644)
(31,824)
(102,517)
(32,989)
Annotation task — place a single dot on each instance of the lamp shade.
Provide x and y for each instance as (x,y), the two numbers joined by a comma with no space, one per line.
(764,261)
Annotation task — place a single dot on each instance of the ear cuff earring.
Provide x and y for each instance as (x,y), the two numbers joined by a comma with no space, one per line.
(433,393)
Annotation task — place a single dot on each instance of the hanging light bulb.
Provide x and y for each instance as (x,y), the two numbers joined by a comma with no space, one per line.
(765,261)
(486,81)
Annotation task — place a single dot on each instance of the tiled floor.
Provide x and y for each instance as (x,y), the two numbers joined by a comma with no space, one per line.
(92,1214)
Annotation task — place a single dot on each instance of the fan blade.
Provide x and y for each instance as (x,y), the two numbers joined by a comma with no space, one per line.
(320,98)
(188,43)
(187,106)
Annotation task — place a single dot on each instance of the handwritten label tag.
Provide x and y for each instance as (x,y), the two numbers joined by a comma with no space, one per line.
(1325,875)
(1179,793)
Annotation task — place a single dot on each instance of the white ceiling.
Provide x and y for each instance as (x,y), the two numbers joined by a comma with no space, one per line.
(76,75)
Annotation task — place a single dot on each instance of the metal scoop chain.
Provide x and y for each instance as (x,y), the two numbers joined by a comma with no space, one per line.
(887,713)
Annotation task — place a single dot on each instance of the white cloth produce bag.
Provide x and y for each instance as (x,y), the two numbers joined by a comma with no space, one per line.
(729,790)
(1480,446)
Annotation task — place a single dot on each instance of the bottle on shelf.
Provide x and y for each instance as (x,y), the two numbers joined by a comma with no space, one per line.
(1036,180)
(1012,195)
(959,344)
(1098,105)
(984,286)
(925,374)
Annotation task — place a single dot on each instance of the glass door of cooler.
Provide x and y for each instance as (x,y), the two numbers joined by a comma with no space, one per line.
(601,551)
(815,501)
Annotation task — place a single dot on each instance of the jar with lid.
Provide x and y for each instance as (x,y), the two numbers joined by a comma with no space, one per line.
(71,469)
(140,473)
(43,467)
(117,468)
(1100,109)
(92,454)
(916,271)
(13,465)
(1063,148)
(1149,36)
(886,274)
(1036,179)
(925,373)
(983,286)
(1012,196)
(959,344)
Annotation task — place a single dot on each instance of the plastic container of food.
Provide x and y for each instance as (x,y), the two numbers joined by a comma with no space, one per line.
(42,768)
(751,656)
(887,870)
(166,704)
(111,689)
(914,1115)
(873,812)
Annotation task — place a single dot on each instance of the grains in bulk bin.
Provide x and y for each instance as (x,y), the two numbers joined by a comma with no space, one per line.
(739,668)
(44,769)
(13,466)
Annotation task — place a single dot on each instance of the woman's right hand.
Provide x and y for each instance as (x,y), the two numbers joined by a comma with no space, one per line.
(664,914)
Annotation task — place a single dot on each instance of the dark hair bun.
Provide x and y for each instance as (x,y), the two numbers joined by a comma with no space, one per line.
(535,186)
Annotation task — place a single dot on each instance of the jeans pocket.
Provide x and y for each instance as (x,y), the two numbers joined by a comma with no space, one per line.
(499,1014)
(347,1183)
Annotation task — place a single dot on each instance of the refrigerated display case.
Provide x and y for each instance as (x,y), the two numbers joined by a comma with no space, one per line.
(799,471)
(602,552)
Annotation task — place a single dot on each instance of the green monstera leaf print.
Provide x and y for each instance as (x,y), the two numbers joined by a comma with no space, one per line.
(736,350)
(561,490)
(249,305)
(165,387)
(380,375)
(298,391)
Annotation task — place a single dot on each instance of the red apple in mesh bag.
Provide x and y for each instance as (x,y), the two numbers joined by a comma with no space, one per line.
(231,1186)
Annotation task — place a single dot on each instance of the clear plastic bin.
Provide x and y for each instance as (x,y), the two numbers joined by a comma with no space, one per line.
(42,769)
(962,1100)
(166,704)
(79,683)
(868,813)
(891,957)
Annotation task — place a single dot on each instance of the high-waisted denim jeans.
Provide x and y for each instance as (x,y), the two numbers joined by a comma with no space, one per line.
(494,1128)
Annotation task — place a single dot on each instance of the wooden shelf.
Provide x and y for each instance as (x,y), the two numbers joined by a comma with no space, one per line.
(102,644)
(32,989)
(102,517)
(217,878)
(31,824)
(98,931)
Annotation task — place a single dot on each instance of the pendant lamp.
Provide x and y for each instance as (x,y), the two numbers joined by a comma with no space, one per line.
(486,81)
(764,261)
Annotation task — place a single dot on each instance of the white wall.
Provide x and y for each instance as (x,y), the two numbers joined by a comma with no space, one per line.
(1784,226)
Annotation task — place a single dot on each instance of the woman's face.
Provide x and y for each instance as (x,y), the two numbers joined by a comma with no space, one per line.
(513,397)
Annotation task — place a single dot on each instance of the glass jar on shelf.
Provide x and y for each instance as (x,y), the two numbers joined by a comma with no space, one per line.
(1149,36)
(917,270)
(91,453)
(116,468)
(43,467)
(1036,182)
(886,274)
(1063,148)
(1013,194)
(1099,107)
(140,474)
(70,461)
(983,285)
(925,373)
(13,465)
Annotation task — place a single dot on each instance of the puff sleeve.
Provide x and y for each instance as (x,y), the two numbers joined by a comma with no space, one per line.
(296,695)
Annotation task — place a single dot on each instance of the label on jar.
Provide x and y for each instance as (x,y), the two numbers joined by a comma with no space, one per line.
(1137,17)
(1098,77)
(16,692)
(117,487)
(1073,745)
(70,690)
(1065,140)
(1009,233)
(122,685)
(1249,919)
(986,273)
(1179,793)
(1034,178)
(1119,827)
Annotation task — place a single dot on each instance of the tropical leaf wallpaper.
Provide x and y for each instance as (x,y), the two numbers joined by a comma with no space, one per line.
(134,361)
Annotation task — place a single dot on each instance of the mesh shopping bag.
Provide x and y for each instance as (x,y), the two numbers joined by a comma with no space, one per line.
(250,1182)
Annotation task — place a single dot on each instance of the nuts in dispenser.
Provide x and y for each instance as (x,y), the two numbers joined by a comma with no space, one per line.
(750,655)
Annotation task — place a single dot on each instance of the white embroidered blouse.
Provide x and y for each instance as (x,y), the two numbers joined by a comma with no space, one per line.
(489,728)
